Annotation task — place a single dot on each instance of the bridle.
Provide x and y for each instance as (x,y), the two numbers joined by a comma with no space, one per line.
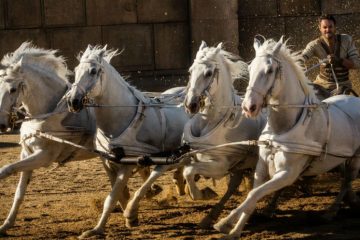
(15,110)
(87,100)
(205,94)
(267,94)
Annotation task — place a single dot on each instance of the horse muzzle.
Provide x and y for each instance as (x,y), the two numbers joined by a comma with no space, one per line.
(75,105)
(250,110)
(193,105)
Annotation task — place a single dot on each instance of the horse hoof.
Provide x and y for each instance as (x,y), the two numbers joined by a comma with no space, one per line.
(233,236)
(130,223)
(90,233)
(206,223)
(181,189)
(223,226)
(208,193)
(3,230)
(3,234)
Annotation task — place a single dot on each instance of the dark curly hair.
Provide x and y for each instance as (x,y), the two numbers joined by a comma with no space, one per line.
(327,17)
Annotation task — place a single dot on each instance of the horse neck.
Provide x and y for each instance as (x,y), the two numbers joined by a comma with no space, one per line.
(282,119)
(115,91)
(223,96)
(44,89)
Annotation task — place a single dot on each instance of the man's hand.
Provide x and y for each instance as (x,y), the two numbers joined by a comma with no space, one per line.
(334,59)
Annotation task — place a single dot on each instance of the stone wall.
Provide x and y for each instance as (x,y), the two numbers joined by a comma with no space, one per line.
(161,37)
(154,34)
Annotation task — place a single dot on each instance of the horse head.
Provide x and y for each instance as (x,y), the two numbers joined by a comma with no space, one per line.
(88,77)
(211,78)
(202,75)
(28,70)
(12,88)
(263,72)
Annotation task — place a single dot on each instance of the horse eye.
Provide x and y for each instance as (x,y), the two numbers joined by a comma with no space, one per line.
(93,71)
(208,74)
(12,90)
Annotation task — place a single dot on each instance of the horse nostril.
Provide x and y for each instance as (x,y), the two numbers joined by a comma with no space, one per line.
(252,108)
(76,105)
(75,102)
(193,107)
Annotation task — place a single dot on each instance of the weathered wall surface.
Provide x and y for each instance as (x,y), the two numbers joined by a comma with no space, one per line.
(160,37)
(154,34)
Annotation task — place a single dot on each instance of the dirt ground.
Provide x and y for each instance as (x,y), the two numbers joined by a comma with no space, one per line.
(62,203)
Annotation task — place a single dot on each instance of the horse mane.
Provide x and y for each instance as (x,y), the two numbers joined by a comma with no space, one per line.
(237,67)
(97,53)
(294,58)
(29,54)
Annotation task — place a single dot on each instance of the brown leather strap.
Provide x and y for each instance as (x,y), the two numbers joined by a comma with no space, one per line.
(338,45)
(325,46)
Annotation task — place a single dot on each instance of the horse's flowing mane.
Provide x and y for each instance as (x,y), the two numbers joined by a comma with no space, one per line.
(294,58)
(97,53)
(237,67)
(45,59)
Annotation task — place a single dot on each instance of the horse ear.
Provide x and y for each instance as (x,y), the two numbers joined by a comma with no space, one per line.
(218,48)
(202,45)
(257,44)
(20,62)
(278,46)
(16,67)
(282,39)
(89,47)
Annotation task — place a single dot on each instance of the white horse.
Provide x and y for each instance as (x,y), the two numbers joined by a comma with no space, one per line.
(36,79)
(130,124)
(218,120)
(302,136)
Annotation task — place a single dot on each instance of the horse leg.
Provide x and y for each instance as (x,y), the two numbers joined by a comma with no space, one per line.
(205,169)
(39,158)
(288,168)
(18,199)
(112,170)
(352,197)
(131,211)
(155,189)
(350,173)
(261,175)
(178,180)
(235,180)
(115,195)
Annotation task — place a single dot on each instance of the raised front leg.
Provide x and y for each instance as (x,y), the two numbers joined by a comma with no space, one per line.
(38,159)
(287,169)
(116,194)
(131,211)
(18,199)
